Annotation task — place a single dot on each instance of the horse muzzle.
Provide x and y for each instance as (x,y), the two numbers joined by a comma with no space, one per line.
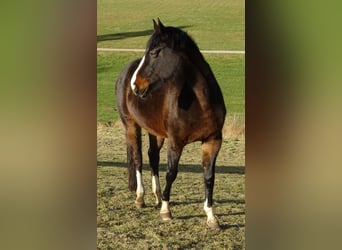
(140,86)
(142,93)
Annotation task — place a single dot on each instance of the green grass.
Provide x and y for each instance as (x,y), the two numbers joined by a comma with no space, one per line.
(109,66)
(217,24)
(122,226)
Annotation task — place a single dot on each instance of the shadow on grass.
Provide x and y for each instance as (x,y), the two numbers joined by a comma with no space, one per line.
(188,168)
(228,226)
(124,35)
(223,226)
(221,201)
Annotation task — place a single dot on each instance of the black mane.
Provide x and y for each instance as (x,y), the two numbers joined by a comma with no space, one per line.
(179,40)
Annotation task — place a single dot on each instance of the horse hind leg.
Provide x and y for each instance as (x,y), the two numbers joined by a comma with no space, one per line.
(210,149)
(134,160)
(156,144)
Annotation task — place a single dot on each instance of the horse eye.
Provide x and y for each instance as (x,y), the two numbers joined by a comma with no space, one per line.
(154,53)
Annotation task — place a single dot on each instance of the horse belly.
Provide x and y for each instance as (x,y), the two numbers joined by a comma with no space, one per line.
(202,132)
(198,126)
(154,127)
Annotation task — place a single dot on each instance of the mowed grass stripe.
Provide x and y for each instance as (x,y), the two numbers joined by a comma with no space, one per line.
(202,51)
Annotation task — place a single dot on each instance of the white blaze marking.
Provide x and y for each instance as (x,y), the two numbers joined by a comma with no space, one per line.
(134,77)
(208,210)
(140,187)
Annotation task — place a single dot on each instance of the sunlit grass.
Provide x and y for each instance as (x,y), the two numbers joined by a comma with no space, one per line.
(122,226)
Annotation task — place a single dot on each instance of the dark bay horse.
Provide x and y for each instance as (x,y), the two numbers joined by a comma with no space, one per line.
(172,93)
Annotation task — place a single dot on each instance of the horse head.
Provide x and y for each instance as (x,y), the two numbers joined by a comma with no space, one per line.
(159,63)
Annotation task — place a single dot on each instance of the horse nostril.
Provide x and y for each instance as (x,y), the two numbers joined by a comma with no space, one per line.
(140,92)
(143,92)
(135,90)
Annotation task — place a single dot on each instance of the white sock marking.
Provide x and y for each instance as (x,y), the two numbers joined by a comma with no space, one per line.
(165,207)
(208,210)
(156,188)
(155,184)
(140,187)
(134,77)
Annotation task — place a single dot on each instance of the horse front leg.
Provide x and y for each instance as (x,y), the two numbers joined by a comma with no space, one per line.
(134,160)
(173,154)
(210,149)
(156,144)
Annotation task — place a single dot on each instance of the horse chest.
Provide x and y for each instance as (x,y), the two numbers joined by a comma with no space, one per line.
(151,117)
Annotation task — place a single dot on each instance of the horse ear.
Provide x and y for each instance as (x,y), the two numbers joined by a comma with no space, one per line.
(161,26)
(158,27)
(155,26)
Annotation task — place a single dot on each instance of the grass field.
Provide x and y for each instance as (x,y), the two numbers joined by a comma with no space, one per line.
(122,226)
(215,25)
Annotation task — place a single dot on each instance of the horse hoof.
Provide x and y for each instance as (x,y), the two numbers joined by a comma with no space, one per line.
(166,216)
(213,224)
(140,204)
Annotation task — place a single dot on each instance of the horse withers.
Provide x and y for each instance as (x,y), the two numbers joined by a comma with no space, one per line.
(172,93)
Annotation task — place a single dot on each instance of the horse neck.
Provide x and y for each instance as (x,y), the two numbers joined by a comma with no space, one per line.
(197,59)
(215,92)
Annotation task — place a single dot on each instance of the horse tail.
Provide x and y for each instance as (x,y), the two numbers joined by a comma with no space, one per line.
(134,162)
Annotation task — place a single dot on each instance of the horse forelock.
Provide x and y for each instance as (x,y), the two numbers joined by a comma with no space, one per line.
(175,39)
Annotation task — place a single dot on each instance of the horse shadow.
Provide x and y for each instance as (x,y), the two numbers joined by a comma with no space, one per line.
(221,201)
(224,226)
(185,168)
(197,169)
(124,35)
